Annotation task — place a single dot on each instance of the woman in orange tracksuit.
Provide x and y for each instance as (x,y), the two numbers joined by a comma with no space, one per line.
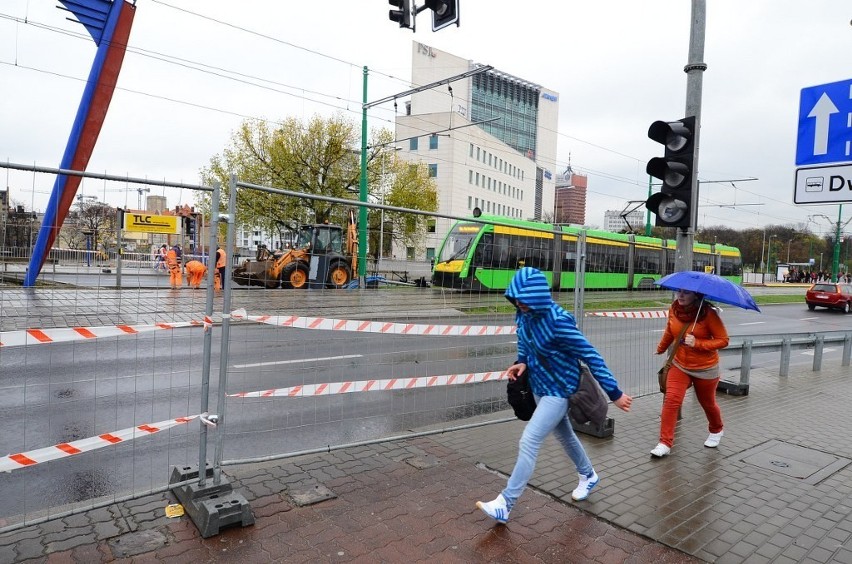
(696,363)
(195,272)
(172,262)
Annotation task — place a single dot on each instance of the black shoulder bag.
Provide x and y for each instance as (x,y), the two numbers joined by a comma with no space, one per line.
(520,397)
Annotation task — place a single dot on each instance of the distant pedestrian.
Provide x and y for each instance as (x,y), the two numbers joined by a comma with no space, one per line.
(550,347)
(195,271)
(173,263)
(160,259)
(696,364)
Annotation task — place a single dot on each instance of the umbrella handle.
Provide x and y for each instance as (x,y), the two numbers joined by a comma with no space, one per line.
(697,313)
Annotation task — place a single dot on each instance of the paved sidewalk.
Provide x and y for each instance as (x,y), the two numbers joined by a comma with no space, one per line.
(776,490)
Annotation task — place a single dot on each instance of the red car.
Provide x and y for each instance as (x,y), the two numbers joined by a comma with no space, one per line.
(832,296)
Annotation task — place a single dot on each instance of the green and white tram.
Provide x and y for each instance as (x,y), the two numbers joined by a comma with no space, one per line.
(478,255)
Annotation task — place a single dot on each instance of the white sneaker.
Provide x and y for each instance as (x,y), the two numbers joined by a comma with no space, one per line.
(497,509)
(585,486)
(714,439)
(660,451)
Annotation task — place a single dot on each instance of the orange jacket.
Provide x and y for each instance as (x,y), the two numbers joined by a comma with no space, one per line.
(710,336)
(221,259)
(196,266)
(171,258)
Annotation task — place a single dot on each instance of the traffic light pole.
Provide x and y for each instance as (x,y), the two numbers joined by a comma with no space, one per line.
(648,211)
(694,80)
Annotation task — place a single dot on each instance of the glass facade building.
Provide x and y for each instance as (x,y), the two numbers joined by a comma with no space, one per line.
(514,101)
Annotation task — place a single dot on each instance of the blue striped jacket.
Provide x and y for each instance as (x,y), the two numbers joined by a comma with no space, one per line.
(549,342)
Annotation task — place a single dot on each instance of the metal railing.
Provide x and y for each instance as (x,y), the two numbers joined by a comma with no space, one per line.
(747,344)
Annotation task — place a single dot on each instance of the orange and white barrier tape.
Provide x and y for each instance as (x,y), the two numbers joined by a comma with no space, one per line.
(64,450)
(630,314)
(333,388)
(66,334)
(329,324)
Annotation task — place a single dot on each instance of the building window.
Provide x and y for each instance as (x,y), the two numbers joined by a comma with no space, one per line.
(433,170)
(469,202)
(430,225)
(470,176)
(412,144)
(433,141)
(471,149)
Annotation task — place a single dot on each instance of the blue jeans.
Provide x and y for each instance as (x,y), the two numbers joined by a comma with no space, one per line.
(551,414)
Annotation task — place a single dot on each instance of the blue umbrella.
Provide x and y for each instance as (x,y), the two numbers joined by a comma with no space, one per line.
(711,286)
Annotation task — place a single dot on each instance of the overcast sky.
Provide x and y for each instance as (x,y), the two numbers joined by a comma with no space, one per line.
(195,69)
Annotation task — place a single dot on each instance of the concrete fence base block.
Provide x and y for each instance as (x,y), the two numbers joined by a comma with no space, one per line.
(212,506)
(732,388)
(601,431)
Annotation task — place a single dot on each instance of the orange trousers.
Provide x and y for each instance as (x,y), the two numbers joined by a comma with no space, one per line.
(705,391)
(175,277)
(195,274)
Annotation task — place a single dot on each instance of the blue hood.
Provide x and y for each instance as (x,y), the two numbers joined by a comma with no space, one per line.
(530,287)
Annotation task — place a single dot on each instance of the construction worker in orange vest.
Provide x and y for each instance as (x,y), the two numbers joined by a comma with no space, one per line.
(173,264)
(221,263)
(195,271)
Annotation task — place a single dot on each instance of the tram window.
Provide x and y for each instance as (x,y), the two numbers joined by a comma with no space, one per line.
(647,261)
(606,258)
(483,256)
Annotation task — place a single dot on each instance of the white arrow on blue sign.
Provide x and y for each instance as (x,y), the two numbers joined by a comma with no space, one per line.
(825,124)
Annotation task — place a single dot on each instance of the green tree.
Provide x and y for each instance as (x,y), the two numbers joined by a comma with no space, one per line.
(320,157)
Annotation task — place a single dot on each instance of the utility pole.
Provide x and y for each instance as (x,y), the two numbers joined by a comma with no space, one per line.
(694,70)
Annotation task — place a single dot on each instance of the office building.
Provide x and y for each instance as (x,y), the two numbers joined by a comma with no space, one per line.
(571,197)
(614,222)
(489,141)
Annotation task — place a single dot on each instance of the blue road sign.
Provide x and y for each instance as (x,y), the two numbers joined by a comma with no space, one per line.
(825,124)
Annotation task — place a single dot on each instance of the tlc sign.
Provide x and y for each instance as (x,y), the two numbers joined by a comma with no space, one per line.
(824,144)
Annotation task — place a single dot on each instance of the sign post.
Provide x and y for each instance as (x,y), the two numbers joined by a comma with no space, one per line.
(824,145)
(824,152)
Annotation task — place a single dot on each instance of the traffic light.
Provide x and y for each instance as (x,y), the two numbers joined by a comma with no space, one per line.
(190,227)
(404,14)
(444,13)
(672,203)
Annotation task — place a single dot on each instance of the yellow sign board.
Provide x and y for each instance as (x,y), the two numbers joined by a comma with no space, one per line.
(144,223)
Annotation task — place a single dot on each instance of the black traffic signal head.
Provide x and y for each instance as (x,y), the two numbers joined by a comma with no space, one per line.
(672,203)
(404,14)
(444,13)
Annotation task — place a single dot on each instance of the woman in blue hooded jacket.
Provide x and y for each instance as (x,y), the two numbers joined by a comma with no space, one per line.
(550,347)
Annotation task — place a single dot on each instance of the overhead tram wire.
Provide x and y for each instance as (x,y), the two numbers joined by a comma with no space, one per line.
(194,65)
(241,78)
